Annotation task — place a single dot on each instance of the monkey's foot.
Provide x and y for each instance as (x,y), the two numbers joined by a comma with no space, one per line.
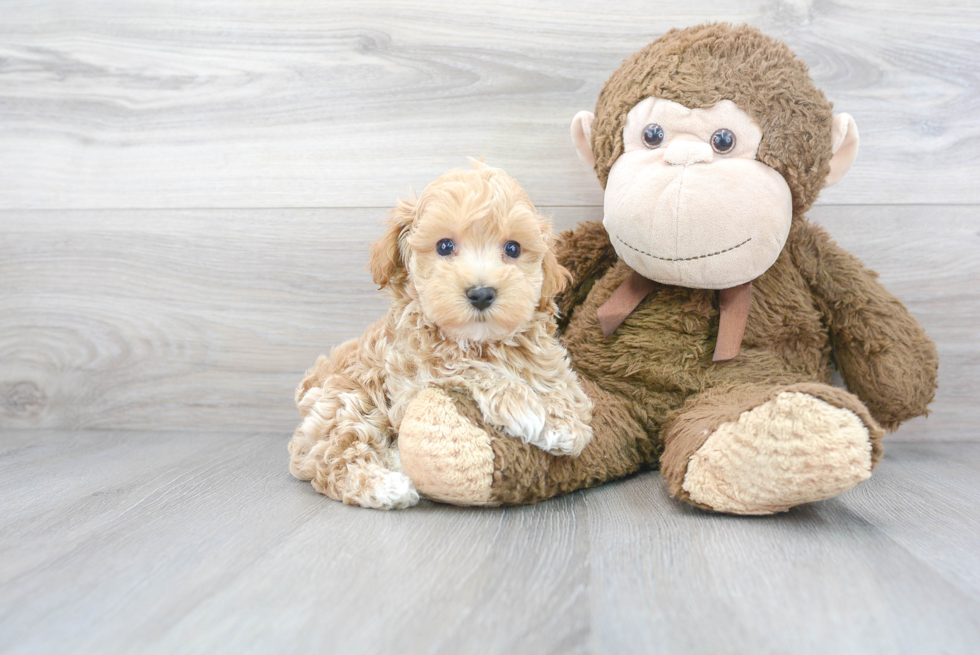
(447,456)
(453,456)
(791,449)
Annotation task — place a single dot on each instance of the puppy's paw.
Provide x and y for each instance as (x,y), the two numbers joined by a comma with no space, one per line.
(514,409)
(526,424)
(385,490)
(563,436)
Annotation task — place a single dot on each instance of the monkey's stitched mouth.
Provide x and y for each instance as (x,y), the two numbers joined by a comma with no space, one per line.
(683,259)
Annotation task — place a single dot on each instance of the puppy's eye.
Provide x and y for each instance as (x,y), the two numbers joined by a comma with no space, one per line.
(723,140)
(445,247)
(512,249)
(653,135)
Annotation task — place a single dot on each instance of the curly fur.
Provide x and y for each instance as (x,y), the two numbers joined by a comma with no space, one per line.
(506,356)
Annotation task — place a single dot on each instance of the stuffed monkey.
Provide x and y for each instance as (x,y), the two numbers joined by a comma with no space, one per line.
(706,313)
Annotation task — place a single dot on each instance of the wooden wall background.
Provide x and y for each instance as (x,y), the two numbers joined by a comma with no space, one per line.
(188,188)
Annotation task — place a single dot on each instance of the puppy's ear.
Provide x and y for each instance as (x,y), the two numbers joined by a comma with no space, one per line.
(386,264)
(556,276)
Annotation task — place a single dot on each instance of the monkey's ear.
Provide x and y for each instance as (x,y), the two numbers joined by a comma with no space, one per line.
(582,136)
(386,264)
(844,146)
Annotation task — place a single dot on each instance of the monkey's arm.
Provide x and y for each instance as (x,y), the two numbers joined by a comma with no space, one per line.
(587,253)
(881,351)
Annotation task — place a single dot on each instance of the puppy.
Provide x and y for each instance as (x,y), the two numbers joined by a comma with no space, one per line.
(472,280)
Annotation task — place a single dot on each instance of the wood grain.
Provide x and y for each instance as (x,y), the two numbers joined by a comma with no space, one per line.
(918,487)
(323,103)
(168,320)
(830,577)
(201,542)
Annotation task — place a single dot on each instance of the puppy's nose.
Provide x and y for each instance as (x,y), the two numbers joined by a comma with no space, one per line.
(481,297)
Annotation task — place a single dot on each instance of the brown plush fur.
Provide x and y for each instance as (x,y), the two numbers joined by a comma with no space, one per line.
(653,382)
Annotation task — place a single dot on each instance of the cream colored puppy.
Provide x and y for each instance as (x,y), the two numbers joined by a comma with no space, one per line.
(472,277)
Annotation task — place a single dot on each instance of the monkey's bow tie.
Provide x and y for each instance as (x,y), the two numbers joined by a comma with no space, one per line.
(733,307)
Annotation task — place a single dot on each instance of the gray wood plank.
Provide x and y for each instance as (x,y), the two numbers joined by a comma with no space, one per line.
(104,312)
(171,320)
(168,104)
(826,578)
(920,490)
(173,550)
(80,467)
(219,550)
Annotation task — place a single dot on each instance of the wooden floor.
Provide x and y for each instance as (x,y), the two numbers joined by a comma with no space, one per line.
(117,542)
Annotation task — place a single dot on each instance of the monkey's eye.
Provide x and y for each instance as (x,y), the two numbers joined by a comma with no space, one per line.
(512,249)
(653,135)
(723,140)
(445,247)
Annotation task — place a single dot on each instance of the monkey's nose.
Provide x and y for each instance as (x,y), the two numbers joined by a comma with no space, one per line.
(481,297)
(682,153)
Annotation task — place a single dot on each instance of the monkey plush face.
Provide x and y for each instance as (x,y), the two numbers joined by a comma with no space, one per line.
(708,142)
(688,204)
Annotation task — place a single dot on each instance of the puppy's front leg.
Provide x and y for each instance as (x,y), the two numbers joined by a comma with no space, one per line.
(554,422)
(343,447)
(566,432)
(510,404)
(568,427)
